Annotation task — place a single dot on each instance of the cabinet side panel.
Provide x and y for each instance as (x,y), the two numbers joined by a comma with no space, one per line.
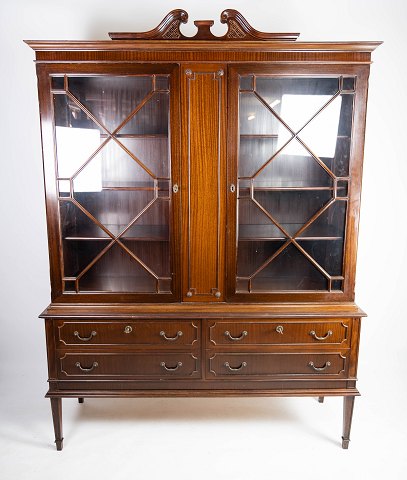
(47,138)
(203,190)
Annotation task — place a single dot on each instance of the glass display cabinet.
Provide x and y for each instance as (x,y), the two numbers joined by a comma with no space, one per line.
(202,203)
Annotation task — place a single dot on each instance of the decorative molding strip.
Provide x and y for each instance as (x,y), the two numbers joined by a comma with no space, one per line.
(238,29)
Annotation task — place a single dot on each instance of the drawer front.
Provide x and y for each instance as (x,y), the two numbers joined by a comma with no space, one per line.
(228,365)
(252,332)
(135,332)
(148,365)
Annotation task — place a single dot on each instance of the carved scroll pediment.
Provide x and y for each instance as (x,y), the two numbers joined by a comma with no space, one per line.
(238,29)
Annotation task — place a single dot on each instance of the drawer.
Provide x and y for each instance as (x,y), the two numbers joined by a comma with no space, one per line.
(148,365)
(221,365)
(134,332)
(252,332)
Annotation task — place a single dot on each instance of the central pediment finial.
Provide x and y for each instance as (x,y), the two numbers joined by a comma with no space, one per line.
(238,29)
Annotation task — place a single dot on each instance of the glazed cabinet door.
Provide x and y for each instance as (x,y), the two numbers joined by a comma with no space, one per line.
(295,166)
(112,135)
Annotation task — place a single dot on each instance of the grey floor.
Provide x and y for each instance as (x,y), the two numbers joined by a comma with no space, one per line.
(235,439)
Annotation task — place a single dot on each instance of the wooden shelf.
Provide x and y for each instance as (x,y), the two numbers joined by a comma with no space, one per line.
(270,284)
(133,186)
(140,233)
(244,136)
(282,188)
(117,284)
(254,233)
(136,135)
(270,185)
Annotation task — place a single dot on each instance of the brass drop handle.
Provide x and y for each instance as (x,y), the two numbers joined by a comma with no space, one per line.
(240,337)
(128,329)
(280,329)
(232,369)
(84,369)
(171,369)
(319,369)
(314,335)
(171,339)
(85,339)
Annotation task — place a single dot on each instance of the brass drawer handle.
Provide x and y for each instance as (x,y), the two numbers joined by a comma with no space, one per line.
(280,329)
(83,369)
(85,339)
(242,365)
(314,335)
(171,369)
(319,369)
(171,339)
(128,329)
(241,337)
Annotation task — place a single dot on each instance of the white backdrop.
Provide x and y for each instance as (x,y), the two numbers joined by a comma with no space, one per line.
(380,417)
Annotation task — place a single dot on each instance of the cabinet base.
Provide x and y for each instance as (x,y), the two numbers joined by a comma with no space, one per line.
(56,402)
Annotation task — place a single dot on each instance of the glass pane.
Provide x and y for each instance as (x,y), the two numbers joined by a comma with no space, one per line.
(154,254)
(255,224)
(251,255)
(327,253)
(257,119)
(79,253)
(348,84)
(115,209)
(296,100)
(82,239)
(292,208)
(162,82)
(151,119)
(77,138)
(110,99)
(246,82)
(123,183)
(74,223)
(294,150)
(254,153)
(289,170)
(117,271)
(331,223)
(290,270)
(153,152)
(153,224)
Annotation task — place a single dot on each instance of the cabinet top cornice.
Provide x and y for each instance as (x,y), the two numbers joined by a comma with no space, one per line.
(265,46)
(240,36)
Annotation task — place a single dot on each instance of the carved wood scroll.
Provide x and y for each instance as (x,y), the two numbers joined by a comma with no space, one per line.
(238,29)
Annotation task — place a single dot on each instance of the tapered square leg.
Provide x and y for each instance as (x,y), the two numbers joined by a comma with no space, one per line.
(321,399)
(81,400)
(348,403)
(56,407)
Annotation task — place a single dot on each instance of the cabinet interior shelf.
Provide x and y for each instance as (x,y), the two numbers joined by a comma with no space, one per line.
(135,135)
(258,135)
(142,233)
(283,188)
(254,233)
(117,283)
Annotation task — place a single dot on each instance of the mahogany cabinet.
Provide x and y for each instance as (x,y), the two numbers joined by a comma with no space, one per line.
(202,201)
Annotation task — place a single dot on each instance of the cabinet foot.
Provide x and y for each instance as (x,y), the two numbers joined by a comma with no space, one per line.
(348,403)
(56,407)
(81,400)
(321,399)
(345,443)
